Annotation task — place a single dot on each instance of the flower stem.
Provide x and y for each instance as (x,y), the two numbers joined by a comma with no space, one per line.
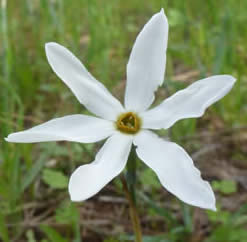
(132,210)
(129,188)
(131,174)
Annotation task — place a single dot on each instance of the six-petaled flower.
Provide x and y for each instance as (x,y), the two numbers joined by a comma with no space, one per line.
(133,122)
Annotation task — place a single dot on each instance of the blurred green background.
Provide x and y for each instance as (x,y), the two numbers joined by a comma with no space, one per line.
(205,38)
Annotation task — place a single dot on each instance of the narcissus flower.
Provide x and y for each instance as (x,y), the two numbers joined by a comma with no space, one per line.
(133,122)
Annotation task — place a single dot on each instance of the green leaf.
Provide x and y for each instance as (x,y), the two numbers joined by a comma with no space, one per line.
(52,234)
(175,17)
(227,234)
(220,216)
(187,217)
(30,236)
(3,229)
(33,172)
(55,179)
(168,216)
(225,186)
(67,213)
(149,178)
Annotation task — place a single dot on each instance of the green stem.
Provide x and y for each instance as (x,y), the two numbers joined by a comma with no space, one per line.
(131,174)
(129,189)
(132,210)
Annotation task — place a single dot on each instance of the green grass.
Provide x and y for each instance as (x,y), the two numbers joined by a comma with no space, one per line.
(205,36)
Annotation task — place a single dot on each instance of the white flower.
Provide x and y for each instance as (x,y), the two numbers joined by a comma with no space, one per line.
(124,126)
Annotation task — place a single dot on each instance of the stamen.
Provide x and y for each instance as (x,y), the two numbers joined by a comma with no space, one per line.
(128,123)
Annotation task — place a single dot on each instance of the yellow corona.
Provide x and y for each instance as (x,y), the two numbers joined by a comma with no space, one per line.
(128,123)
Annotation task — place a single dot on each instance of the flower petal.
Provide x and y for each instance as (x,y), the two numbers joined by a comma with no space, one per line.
(87,180)
(86,88)
(78,128)
(146,66)
(175,169)
(188,103)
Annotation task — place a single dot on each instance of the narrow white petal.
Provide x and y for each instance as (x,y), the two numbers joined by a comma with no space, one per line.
(78,128)
(87,180)
(86,88)
(188,103)
(146,66)
(175,170)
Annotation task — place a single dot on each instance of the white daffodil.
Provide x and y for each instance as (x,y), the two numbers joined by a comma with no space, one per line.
(131,124)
